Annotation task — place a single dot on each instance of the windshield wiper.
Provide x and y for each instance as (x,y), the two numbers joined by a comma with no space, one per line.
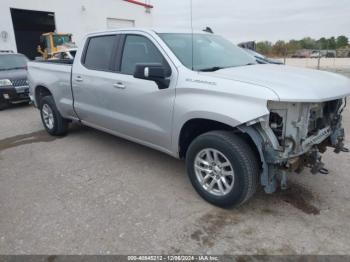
(213,69)
(216,68)
(12,68)
(19,67)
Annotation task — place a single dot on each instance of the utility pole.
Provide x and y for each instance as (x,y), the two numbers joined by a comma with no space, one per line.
(319,56)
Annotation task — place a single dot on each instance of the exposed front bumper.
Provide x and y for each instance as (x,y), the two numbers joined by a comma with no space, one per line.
(15,94)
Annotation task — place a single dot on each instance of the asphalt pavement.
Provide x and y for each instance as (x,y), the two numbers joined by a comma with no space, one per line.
(93,193)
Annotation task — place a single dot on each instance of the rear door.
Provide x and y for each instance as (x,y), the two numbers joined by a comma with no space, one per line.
(93,79)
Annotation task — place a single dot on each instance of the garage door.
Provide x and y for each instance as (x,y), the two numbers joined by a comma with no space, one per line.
(117,23)
(29,25)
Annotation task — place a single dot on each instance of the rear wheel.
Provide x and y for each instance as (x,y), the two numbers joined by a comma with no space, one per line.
(222,168)
(52,120)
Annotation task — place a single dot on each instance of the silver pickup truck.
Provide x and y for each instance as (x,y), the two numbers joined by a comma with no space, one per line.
(200,98)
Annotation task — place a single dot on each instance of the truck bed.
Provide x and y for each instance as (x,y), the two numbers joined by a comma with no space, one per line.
(55,74)
(56,61)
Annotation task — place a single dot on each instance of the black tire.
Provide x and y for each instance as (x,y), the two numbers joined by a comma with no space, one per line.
(60,125)
(3,103)
(244,164)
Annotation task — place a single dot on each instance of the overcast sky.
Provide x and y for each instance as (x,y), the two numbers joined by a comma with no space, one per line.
(245,20)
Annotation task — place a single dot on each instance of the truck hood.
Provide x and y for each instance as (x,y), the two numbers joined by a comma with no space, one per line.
(292,84)
(13,74)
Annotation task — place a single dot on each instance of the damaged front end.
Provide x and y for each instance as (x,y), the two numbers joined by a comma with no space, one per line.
(294,136)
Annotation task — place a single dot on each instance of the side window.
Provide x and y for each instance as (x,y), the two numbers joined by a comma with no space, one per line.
(73,53)
(139,49)
(99,52)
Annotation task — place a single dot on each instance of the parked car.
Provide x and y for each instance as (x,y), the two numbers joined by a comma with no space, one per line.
(261,59)
(316,54)
(302,53)
(237,123)
(298,56)
(14,86)
(331,54)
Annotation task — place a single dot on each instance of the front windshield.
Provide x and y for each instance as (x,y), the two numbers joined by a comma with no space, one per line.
(61,39)
(256,54)
(210,52)
(12,61)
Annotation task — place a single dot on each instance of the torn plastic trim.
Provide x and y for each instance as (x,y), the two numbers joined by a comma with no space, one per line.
(267,178)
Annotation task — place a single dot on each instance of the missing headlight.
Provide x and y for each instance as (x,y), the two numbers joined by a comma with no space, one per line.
(276,124)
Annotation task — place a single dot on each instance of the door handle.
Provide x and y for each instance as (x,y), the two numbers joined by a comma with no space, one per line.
(119,85)
(79,79)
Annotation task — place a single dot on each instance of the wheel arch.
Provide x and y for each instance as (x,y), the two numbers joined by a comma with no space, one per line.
(194,127)
(40,91)
(248,133)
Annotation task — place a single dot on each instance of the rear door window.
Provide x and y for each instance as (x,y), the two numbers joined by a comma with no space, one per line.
(99,52)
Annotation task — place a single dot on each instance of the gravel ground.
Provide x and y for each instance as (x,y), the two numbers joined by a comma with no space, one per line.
(92,193)
(341,64)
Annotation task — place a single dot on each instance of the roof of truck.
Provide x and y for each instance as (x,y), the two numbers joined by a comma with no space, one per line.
(178,31)
(152,30)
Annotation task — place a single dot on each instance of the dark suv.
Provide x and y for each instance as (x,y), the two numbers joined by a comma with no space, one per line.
(13,79)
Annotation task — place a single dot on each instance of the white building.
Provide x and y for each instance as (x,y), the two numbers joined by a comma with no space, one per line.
(23,21)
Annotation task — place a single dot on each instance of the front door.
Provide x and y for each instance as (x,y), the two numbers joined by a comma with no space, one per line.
(144,111)
(133,108)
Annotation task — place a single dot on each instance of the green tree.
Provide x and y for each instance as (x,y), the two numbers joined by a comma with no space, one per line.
(264,47)
(308,43)
(279,48)
(332,44)
(342,41)
(292,46)
(322,43)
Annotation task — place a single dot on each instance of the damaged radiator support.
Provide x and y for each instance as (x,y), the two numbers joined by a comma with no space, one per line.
(286,145)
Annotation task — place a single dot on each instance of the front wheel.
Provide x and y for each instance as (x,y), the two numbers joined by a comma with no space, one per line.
(52,120)
(3,103)
(222,168)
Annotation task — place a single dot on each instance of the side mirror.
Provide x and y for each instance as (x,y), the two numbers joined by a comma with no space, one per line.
(153,72)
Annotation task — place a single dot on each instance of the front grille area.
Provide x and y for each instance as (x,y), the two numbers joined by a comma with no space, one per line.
(302,125)
(19,82)
(322,115)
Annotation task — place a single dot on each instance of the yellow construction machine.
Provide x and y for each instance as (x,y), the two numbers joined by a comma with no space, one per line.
(51,43)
